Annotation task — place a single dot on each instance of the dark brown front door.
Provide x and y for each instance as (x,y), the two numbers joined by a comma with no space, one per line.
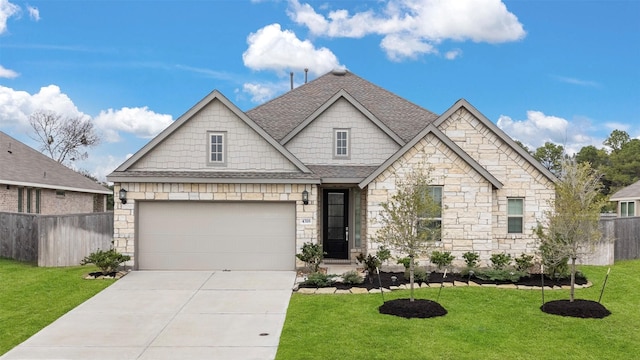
(336,224)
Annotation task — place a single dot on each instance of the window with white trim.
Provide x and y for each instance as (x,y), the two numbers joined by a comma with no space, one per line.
(627,208)
(433,222)
(341,143)
(217,145)
(515,215)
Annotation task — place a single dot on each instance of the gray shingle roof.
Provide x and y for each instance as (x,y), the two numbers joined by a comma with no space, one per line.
(282,114)
(630,192)
(342,172)
(24,166)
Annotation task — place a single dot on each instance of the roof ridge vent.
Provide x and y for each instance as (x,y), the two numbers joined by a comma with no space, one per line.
(339,71)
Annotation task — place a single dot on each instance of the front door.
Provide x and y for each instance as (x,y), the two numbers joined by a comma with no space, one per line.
(336,224)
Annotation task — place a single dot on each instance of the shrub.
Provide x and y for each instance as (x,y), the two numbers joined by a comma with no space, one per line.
(318,279)
(406,262)
(107,261)
(312,256)
(499,275)
(371,263)
(500,261)
(471,259)
(441,258)
(383,253)
(352,278)
(419,274)
(555,270)
(524,262)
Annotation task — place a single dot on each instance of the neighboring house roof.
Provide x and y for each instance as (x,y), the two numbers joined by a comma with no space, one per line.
(284,114)
(630,192)
(23,166)
(442,137)
(214,95)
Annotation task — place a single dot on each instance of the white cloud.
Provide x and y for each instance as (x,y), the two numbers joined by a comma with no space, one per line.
(399,47)
(617,126)
(34,13)
(539,128)
(260,92)
(7,73)
(578,82)
(420,24)
(272,48)
(16,106)
(139,121)
(453,54)
(7,10)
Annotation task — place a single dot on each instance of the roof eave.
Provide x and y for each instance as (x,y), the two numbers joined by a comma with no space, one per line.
(55,187)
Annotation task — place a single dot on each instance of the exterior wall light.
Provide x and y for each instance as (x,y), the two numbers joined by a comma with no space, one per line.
(122,195)
(305,197)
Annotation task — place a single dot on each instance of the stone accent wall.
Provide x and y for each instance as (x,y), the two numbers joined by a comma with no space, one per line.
(467,197)
(369,145)
(125,215)
(520,179)
(187,148)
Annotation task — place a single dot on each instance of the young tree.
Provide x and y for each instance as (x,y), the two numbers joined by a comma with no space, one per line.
(572,228)
(408,225)
(63,138)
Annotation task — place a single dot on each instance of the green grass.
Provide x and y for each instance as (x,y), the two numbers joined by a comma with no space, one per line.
(482,323)
(32,297)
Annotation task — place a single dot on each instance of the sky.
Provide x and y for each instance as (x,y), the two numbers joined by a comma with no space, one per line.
(564,71)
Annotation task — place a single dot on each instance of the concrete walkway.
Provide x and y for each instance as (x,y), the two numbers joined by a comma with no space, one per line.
(171,315)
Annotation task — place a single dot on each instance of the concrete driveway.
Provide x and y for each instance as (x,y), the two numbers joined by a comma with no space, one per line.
(171,315)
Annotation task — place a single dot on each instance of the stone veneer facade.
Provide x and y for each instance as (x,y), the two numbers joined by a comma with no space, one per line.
(474,214)
(125,214)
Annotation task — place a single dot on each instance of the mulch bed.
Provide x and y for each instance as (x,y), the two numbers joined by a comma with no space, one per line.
(386,278)
(419,308)
(577,308)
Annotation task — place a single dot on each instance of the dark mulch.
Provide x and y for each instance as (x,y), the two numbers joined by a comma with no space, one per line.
(419,308)
(386,278)
(577,308)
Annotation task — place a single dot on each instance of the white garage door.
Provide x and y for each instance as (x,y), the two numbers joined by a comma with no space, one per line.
(198,235)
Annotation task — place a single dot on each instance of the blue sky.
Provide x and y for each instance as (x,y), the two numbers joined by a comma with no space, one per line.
(561,71)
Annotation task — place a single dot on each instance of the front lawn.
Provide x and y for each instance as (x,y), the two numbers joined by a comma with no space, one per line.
(32,297)
(482,323)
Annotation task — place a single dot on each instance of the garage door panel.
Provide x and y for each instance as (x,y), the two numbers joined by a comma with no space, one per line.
(194,235)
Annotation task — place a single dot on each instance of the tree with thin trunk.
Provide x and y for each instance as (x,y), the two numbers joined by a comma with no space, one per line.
(64,139)
(571,231)
(407,219)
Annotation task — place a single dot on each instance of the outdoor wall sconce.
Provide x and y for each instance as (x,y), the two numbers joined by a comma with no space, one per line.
(122,195)
(305,197)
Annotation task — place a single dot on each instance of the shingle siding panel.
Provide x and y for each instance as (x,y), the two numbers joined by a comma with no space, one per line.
(368,144)
(187,148)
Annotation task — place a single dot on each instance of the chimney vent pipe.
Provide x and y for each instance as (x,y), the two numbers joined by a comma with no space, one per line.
(306,70)
(291,74)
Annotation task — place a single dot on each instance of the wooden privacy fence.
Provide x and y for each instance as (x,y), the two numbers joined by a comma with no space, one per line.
(626,233)
(54,240)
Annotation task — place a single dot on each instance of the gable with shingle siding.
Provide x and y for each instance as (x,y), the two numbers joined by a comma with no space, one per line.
(187,148)
(368,144)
